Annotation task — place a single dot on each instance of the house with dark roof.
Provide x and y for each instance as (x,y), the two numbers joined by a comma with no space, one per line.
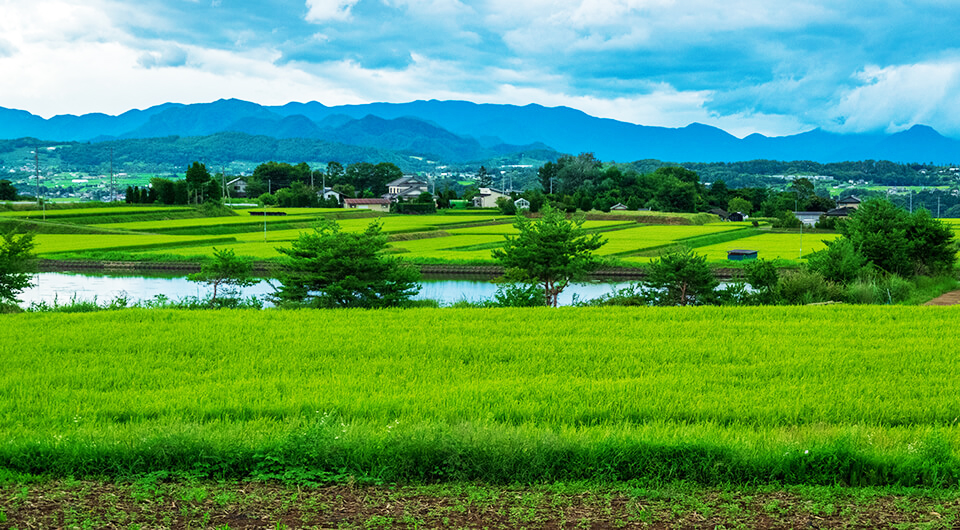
(840,212)
(852,202)
(408,187)
(719,212)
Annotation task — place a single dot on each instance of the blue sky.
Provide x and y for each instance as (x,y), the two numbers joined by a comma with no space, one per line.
(743,65)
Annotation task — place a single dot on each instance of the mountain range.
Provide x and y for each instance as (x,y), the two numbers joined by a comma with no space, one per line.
(459,131)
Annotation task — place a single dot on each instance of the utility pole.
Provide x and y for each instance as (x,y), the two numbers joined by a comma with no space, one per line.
(36,162)
(223,181)
(113,191)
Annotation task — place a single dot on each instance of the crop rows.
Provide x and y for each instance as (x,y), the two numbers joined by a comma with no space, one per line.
(82,212)
(795,394)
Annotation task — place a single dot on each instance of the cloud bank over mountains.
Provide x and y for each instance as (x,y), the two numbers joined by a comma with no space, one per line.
(744,65)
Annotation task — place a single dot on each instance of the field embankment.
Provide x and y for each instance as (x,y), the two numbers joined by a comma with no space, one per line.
(786,395)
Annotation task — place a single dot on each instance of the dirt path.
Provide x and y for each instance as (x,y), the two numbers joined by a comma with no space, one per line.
(951,298)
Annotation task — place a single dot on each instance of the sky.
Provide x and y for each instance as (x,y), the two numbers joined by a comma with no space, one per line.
(772,67)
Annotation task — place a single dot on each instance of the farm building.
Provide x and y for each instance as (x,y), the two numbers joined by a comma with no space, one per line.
(377,205)
(521,204)
(808,218)
(619,207)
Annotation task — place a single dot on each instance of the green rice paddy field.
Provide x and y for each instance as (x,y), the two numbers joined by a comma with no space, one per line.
(753,395)
(465,237)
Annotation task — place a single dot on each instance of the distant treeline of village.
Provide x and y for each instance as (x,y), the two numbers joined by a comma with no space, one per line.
(571,183)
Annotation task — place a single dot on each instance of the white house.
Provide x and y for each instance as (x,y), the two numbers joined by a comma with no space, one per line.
(521,204)
(487,198)
(328,193)
(408,186)
(237,187)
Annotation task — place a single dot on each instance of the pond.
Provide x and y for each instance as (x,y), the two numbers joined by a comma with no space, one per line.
(62,287)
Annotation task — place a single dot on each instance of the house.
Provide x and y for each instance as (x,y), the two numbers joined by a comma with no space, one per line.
(739,254)
(840,212)
(808,218)
(377,205)
(736,217)
(328,193)
(619,207)
(719,212)
(521,204)
(852,202)
(487,198)
(408,186)
(237,187)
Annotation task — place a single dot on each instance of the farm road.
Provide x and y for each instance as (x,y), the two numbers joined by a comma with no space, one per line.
(951,298)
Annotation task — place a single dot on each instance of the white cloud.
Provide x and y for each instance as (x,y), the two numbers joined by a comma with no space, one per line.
(327,10)
(894,98)
(170,55)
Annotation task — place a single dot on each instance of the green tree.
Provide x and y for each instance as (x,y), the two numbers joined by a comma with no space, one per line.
(484,180)
(550,251)
(899,242)
(197,179)
(7,191)
(739,204)
(682,278)
(330,268)
(16,265)
(225,269)
(803,190)
(763,277)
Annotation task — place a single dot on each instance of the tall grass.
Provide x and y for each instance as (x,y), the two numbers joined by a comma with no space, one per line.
(863,395)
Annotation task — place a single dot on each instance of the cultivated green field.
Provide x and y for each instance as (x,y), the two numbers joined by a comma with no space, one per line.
(81,212)
(825,395)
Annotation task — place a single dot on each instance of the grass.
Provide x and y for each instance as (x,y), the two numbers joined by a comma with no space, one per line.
(100,211)
(817,395)
(48,244)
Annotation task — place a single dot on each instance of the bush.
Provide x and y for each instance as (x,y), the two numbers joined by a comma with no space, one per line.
(519,295)
(632,295)
(786,219)
(840,262)
(808,287)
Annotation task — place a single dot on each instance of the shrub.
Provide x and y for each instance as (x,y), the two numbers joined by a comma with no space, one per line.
(519,295)
(840,262)
(807,287)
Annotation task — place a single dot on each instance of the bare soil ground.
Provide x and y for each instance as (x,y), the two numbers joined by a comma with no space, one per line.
(182,505)
(951,298)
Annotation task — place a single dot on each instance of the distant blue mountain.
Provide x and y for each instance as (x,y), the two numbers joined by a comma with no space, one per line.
(463,131)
